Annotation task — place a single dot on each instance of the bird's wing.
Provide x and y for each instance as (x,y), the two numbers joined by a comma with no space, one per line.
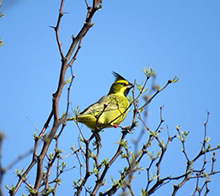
(94,107)
(106,103)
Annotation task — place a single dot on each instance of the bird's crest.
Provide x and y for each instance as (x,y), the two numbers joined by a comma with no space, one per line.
(117,76)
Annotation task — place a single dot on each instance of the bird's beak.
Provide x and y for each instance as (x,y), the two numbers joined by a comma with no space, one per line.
(130,85)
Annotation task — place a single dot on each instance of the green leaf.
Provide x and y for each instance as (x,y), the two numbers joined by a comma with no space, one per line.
(144,193)
(130,99)
(178,127)
(145,71)
(205,174)
(1,42)
(139,169)
(10,189)
(208,139)
(73,148)
(158,154)
(144,90)
(132,158)
(124,143)
(58,181)
(77,111)
(208,148)
(153,176)
(100,6)
(49,190)
(68,80)
(63,166)
(150,155)
(114,182)
(104,181)
(179,136)
(95,169)
(182,134)
(51,155)
(140,87)
(31,190)
(105,161)
(63,115)
(58,151)
(81,138)
(154,134)
(124,155)
(162,143)
(150,72)
(17,172)
(175,79)
(76,183)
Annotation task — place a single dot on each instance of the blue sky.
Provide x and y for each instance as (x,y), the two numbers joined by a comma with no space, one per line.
(175,37)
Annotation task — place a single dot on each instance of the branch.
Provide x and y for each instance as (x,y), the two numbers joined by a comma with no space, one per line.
(2,170)
(56,97)
(99,182)
(61,13)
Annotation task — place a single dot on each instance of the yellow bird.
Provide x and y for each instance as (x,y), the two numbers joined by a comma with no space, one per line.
(110,110)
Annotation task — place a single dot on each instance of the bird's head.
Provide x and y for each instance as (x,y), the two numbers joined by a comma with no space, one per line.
(120,85)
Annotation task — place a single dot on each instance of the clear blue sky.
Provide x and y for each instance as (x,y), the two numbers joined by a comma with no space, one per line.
(175,37)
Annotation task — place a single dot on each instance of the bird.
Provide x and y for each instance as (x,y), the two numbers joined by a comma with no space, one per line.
(109,110)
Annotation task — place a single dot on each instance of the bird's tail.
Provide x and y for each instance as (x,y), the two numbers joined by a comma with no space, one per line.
(71,118)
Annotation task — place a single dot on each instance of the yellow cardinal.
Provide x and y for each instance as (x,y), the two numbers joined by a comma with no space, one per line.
(110,110)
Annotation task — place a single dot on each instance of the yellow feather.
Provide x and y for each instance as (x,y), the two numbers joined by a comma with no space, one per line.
(109,110)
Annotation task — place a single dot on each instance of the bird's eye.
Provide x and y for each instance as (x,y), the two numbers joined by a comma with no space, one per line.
(124,84)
